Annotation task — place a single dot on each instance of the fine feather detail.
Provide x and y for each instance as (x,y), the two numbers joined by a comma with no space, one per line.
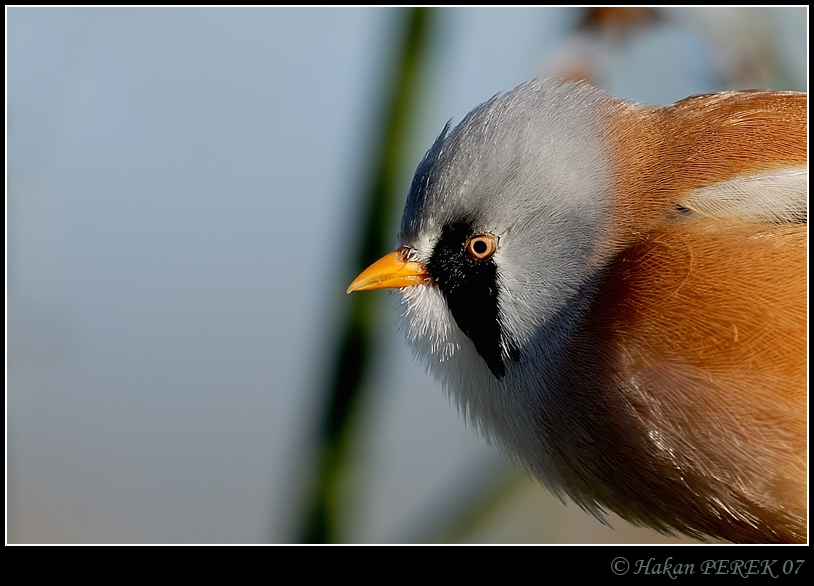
(772,197)
(703,329)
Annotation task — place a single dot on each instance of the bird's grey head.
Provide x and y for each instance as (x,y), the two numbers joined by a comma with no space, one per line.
(527,169)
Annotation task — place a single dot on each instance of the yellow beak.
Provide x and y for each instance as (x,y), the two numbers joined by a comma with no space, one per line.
(389,272)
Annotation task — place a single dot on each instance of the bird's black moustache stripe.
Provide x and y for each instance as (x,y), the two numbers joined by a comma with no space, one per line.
(471,290)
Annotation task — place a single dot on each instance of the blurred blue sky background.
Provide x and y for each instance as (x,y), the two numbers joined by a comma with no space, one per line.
(181,188)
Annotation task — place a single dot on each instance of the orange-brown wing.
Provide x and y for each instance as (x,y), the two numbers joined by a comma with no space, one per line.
(703,313)
(705,330)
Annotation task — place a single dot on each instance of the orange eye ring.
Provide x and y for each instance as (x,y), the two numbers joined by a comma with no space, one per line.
(481,247)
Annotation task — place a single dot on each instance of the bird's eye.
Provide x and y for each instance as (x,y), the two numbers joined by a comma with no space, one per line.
(481,247)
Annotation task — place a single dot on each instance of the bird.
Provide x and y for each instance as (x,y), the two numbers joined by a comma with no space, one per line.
(616,295)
